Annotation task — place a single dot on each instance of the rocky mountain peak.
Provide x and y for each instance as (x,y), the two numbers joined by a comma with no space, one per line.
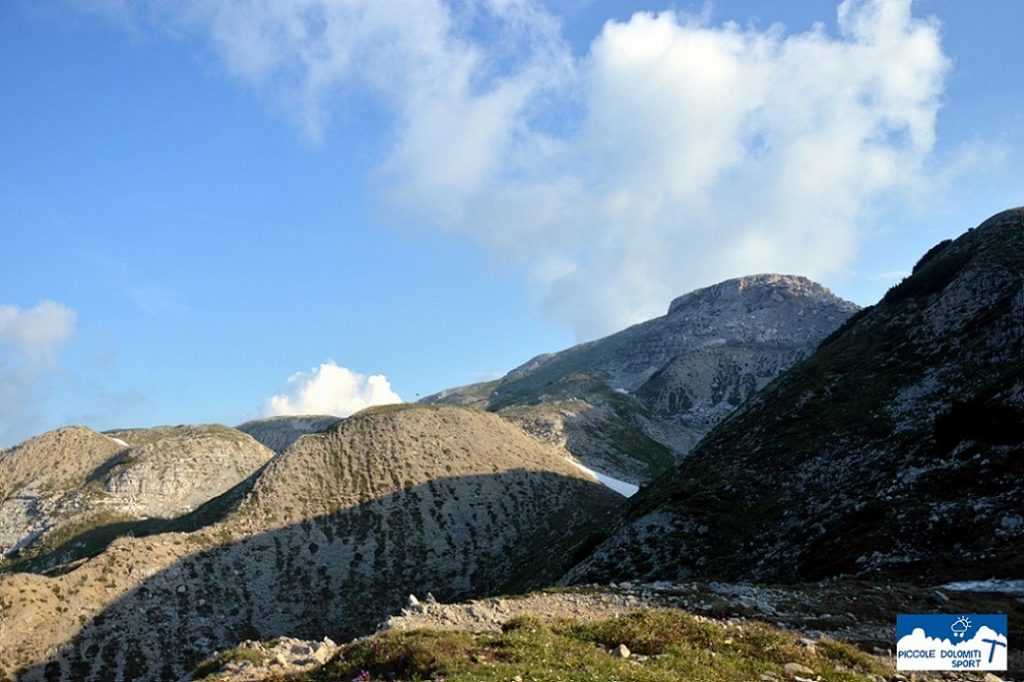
(171,470)
(628,404)
(758,291)
(355,460)
(64,456)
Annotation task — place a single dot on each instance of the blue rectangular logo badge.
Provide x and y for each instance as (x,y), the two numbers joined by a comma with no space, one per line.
(972,641)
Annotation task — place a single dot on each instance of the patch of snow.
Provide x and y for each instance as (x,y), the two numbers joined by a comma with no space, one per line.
(119,441)
(622,391)
(1015,587)
(621,487)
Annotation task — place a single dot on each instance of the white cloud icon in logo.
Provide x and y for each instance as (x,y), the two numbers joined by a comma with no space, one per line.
(960,626)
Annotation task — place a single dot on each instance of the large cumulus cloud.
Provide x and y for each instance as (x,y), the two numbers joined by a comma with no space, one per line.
(673,153)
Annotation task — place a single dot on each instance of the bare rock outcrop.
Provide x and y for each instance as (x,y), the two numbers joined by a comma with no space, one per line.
(71,482)
(173,470)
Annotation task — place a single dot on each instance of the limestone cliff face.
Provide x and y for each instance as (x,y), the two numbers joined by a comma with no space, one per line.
(759,310)
(73,480)
(699,388)
(328,539)
(895,449)
(652,391)
(173,470)
(42,478)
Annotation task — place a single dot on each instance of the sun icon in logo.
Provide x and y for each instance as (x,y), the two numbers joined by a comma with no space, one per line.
(960,626)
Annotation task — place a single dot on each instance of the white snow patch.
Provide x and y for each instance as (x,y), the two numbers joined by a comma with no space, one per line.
(1015,587)
(622,391)
(119,442)
(621,487)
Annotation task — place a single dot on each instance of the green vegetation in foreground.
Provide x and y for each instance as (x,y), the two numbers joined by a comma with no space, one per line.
(215,663)
(667,645)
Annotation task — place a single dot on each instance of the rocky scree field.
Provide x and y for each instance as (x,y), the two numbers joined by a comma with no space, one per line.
(629,631)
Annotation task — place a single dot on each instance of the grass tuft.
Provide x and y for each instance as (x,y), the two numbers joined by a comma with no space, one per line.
(666,645)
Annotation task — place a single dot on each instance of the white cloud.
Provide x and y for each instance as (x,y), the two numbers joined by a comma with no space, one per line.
(710,152)
(330,389)
(675,153)
(30,341)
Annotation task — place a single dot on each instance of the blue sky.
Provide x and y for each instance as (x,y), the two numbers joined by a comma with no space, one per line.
(215,211)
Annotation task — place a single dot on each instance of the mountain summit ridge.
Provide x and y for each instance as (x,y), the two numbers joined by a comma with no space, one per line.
(629,357)
(329,537)
(750,286)
(633,402)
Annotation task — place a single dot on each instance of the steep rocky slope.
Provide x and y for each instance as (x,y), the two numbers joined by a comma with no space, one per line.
(41,480)
(172,470)
(327,540)
(896,449)
(631,403)
(62,484)
(278,433)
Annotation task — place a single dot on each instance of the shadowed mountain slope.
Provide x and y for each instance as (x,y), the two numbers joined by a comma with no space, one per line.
(897,448)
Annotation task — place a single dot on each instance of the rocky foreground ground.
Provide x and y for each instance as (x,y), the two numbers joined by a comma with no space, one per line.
(810,618)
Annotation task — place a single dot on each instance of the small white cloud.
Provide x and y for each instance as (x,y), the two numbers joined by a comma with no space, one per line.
(35,333)
(30,341)
(330,389)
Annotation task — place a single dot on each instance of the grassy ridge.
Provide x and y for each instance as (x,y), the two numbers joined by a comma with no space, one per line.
(666,645)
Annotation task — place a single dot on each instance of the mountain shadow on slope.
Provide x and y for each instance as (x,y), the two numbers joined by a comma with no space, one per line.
(337,575)
(460,501)
(94,539)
